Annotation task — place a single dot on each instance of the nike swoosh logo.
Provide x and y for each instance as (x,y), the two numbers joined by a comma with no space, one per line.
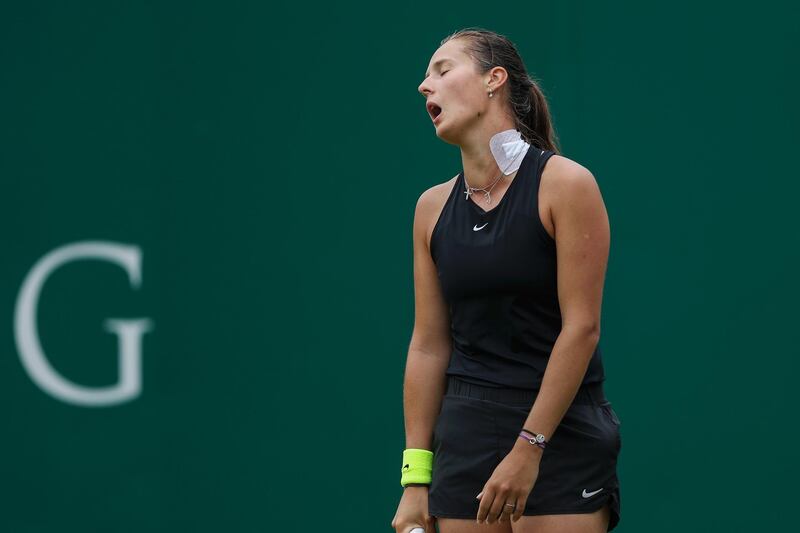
(590,494)
(476,228)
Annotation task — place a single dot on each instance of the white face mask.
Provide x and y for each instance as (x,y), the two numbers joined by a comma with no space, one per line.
(508,149)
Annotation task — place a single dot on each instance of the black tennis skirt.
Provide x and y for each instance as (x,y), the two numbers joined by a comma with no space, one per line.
(478,426)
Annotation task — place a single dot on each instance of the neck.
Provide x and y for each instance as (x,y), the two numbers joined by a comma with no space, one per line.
(477,160)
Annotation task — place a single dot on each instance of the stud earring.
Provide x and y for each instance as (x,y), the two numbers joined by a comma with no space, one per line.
(490,94)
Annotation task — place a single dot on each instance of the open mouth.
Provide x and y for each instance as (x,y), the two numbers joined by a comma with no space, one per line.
(434,110)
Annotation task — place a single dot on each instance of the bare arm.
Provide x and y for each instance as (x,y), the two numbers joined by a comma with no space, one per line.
(582,234)
(429,349)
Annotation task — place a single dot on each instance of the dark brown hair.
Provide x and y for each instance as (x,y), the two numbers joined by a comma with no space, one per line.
(525,97)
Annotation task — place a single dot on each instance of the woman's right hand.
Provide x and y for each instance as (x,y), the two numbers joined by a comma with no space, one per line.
(413,511)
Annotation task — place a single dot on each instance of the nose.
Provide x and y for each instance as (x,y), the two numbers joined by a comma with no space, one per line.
(423,88)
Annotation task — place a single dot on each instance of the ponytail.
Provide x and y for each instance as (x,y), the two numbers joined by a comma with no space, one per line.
(535,125)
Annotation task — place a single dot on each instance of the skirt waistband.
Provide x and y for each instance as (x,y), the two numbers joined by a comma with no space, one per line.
(589,393)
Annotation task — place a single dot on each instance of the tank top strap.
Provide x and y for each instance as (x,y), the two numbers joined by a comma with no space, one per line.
(544,155)
(446,214)
(529,176)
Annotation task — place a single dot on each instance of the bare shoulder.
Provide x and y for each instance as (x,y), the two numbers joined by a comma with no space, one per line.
(562,174)
(430,205)
(565,182)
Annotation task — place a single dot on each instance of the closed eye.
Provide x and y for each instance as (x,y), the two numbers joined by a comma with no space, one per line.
(445,72)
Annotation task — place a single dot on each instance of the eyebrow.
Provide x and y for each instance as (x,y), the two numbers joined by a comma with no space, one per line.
(427,73)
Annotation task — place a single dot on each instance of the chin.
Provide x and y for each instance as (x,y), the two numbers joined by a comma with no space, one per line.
(448,134)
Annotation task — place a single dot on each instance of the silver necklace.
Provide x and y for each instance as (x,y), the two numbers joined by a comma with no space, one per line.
(487,193)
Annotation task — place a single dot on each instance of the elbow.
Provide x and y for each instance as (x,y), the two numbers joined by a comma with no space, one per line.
(587,330)
(430,343)
(435,351)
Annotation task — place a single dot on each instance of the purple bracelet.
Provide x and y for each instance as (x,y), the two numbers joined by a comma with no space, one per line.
(526,436)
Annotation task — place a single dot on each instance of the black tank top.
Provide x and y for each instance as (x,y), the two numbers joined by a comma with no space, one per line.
(497,270)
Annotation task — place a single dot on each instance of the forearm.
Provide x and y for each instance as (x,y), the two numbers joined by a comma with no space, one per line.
(423,389)
(565,371)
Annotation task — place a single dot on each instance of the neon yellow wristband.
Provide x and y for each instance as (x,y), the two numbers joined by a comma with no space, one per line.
(417,466)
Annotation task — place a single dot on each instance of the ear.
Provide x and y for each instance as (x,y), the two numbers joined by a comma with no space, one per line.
(496,78)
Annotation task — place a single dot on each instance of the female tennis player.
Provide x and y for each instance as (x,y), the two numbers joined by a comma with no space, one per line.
(507,425)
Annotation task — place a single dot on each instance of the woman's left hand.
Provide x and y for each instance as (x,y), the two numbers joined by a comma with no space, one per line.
(511,482)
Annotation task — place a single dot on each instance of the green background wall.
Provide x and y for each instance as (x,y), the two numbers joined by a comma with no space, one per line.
(265,161)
